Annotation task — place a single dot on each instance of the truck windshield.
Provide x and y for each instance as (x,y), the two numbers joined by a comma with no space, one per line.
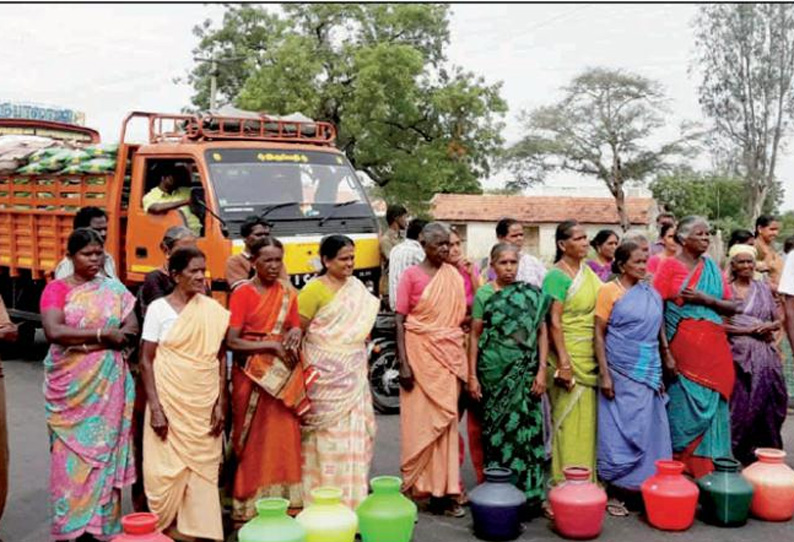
(253,180)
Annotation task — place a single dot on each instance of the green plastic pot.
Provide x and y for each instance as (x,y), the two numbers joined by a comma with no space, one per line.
(725,495)
(272,524)
(386,515)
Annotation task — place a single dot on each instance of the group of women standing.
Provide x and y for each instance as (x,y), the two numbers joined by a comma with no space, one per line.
(301,411)
(599,368)
(637,366)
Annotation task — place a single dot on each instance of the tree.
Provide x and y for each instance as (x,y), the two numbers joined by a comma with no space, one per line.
(601,127)
(746,55)
(719,197)
(413,123)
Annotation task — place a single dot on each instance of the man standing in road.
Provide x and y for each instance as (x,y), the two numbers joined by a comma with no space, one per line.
(530,269)
(404,255)
(239,267)
(8,333)
(396,218)
(96,219)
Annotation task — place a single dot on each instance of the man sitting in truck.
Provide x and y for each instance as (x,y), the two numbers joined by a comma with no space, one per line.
(96,219)
(173,192)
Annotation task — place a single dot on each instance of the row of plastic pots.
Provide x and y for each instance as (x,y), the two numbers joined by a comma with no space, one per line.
(385,516)
(727,497)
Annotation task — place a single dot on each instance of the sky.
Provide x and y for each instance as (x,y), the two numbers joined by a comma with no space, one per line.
(107,60)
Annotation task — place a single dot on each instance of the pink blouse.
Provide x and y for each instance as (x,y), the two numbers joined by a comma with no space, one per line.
(54,295)
(410,289)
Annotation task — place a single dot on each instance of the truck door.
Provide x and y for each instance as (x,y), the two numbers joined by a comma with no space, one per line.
(159,184)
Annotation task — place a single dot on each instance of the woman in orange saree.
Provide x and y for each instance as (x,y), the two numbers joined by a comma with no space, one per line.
(431,307)
(268,391)
(338,312)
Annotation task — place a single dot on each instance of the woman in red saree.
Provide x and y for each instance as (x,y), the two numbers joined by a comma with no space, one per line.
(696,296)
(268,391)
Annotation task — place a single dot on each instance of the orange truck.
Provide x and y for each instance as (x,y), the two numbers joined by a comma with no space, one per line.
(287,171)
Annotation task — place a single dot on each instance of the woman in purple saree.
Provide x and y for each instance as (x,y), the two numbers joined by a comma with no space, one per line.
(759,400)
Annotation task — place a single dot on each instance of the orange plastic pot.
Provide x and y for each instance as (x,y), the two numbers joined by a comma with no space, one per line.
(773,485)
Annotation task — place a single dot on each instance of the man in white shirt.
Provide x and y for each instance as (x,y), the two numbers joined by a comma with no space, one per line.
(404,255)
(530,269)
(96,219)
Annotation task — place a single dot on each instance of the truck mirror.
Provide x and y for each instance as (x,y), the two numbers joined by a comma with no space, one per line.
(197,194)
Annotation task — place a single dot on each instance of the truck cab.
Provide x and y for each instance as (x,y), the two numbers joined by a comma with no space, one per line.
(287,172)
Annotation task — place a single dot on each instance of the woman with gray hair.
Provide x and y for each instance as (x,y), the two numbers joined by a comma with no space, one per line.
(158,283)
(759,400)
(700,367)
(431,308)
(639,238)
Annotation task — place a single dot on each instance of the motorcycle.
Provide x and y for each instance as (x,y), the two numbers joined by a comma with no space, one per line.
(383,364)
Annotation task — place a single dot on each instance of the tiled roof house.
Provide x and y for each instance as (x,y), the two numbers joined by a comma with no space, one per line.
(476,216)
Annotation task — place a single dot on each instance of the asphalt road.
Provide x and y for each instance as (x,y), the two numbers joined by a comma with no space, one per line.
(26,520)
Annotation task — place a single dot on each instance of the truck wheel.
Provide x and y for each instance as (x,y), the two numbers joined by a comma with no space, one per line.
(384,380)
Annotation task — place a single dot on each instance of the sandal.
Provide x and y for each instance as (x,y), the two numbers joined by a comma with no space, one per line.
(463,499)
(617,508)
(455,511)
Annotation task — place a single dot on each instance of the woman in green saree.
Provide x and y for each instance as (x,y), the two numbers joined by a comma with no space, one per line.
(507,362)
(573,377)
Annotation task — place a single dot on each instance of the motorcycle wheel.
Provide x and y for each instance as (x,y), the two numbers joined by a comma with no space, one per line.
(384,380)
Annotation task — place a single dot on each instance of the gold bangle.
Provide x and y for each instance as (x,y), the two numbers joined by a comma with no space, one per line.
(99,335)
(85,347)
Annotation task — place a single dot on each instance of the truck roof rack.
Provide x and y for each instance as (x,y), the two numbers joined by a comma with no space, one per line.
(181,128)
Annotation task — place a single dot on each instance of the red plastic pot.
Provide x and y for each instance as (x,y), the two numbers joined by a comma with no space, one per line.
(670,498)
(578,505)
(141,527)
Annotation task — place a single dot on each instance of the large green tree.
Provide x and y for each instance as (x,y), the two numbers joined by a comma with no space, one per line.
(415,124)
(603,126)
(719,197)
(745,53)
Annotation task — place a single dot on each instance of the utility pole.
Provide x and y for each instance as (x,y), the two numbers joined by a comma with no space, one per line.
(215,63)
(213,82)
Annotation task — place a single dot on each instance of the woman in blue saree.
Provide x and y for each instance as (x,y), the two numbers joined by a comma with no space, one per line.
(633,431)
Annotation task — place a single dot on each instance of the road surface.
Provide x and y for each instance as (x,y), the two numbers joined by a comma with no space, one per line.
(26,520)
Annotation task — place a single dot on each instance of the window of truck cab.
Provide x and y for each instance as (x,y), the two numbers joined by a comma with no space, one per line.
(155,167)
(297,190)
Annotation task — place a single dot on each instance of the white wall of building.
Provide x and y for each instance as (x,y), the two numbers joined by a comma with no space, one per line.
(481,236)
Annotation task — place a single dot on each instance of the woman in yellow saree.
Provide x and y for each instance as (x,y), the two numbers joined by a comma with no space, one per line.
(184,373)
(337,312)
(573,377)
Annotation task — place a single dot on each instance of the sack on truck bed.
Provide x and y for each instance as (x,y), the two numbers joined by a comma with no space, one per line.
(108,150)
(34,168)
(15,149)
(97,165)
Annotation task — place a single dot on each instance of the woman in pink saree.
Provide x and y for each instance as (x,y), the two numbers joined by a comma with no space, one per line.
(89,392)
(337,313)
